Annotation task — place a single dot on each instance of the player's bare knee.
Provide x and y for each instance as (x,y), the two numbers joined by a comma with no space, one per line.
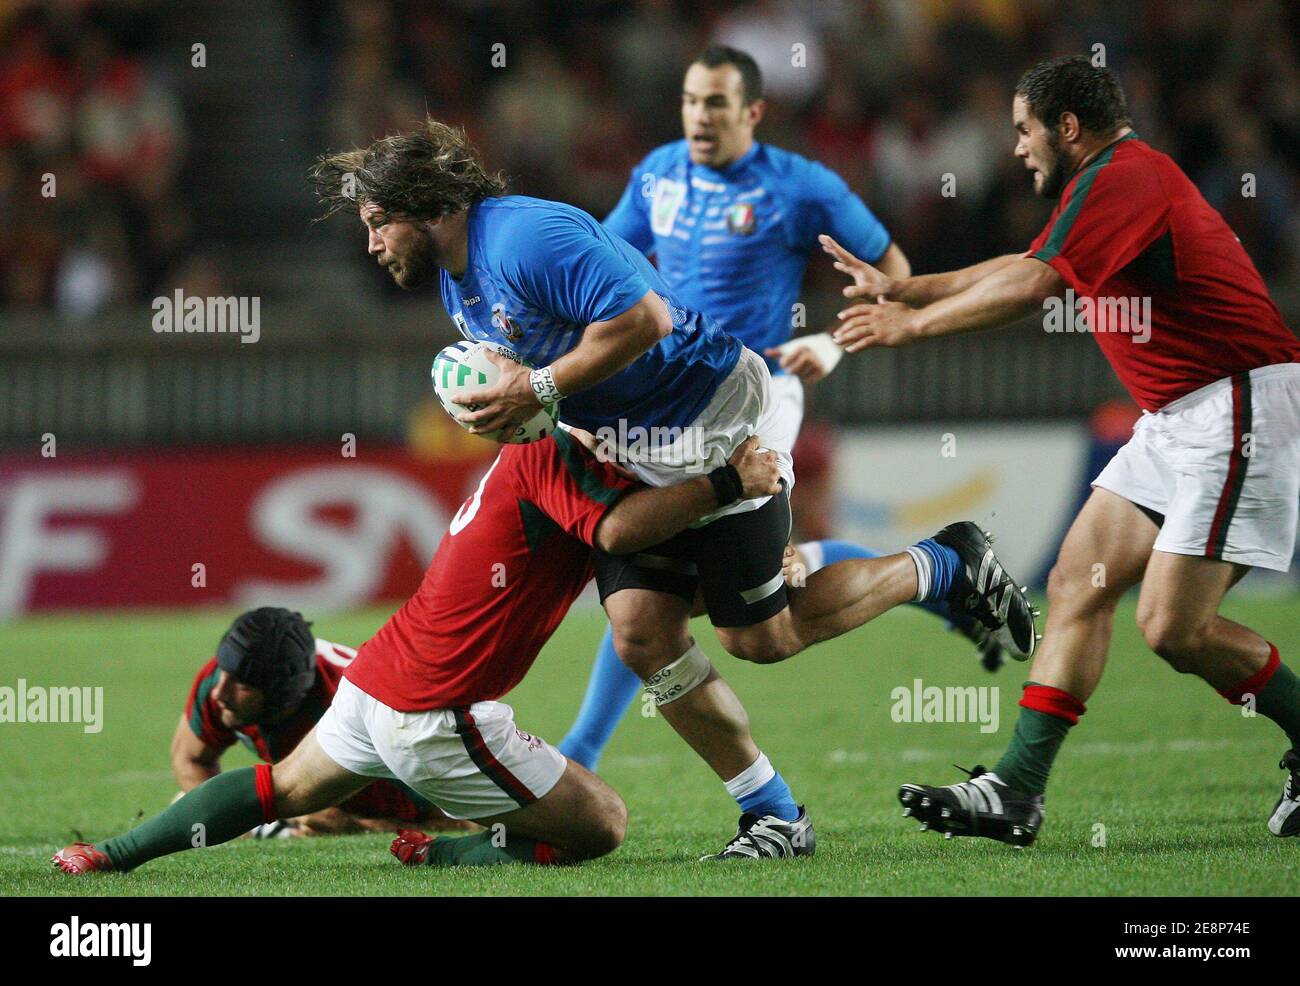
(645,653)
(301,786)
(1173,638)
(291,790)
(613,826)
(1062,586)
(759,647)
(603,829)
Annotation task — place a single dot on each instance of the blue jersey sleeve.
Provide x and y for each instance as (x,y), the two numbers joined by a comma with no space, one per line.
(829,206)
(630,219)
(566,269)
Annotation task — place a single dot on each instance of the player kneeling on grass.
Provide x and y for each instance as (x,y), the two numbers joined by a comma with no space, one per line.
(418,703)
(267,686)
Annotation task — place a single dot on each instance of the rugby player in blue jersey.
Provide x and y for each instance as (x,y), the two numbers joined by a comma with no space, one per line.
(732,224)
(668,394)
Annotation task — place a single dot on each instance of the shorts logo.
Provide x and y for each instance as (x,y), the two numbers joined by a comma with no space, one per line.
(669,196)
(461,325)
(505,325)
(533,742)
(740,219)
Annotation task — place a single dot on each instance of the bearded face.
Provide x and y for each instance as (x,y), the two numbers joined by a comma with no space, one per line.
(405,249)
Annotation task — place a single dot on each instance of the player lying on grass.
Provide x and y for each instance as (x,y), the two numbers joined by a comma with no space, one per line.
(744,268)
(419,704)
(269,683)
(1206,488)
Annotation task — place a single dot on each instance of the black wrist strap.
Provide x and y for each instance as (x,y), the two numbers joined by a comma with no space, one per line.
(727,486)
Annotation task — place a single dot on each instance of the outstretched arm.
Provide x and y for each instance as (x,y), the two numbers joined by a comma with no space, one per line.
(871,281)
(813,357)
(1008,292)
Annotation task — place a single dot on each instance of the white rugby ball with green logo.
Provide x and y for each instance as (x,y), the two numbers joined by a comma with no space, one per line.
(463,367)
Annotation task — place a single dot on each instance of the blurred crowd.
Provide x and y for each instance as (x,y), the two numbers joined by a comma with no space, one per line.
(566,95)
(91,141)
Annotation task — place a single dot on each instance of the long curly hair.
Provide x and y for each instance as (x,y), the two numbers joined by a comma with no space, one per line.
(426,173)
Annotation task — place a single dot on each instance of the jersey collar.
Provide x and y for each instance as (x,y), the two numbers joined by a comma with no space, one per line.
(731,170)
(1131,135)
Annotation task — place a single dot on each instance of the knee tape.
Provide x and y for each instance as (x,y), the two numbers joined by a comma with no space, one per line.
(670,683)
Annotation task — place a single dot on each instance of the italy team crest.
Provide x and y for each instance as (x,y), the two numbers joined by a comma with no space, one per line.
(505,324)
(740,219)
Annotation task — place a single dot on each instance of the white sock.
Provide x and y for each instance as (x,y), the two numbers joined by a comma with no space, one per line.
(814,556)
(924,569)
(751,778)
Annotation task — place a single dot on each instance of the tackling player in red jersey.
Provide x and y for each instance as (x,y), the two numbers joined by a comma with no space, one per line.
(419,702)
(1208,486)
(268,684)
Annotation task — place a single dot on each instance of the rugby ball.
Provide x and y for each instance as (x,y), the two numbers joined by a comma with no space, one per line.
(463,367)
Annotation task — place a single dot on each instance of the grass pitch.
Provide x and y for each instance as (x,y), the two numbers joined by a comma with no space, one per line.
(1176,784)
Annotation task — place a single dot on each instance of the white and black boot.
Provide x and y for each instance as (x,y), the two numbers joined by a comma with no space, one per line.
(1285,819)
(769,837)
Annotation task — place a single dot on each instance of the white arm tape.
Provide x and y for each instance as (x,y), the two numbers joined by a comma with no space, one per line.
(671,683)
(827,350)
(543,383)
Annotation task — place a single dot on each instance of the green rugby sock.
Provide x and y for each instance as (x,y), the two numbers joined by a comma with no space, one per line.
(216,811)
(1046,715)
(1276,691)
(1280,701)
(480,850)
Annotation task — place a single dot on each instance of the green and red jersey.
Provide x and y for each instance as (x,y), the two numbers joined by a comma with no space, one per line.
(1131,225)
(381,799)
(516,556)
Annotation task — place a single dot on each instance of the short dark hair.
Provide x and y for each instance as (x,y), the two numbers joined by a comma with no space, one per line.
(1072,84)
(751,78)
(425,173)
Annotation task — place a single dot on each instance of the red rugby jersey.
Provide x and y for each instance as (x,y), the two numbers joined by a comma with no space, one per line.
(1131,225)
(515,557)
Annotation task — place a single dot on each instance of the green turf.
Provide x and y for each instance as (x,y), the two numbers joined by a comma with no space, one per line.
(1181,782)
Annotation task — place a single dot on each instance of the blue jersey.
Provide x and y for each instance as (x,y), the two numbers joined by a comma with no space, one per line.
(735,243)
(540,272)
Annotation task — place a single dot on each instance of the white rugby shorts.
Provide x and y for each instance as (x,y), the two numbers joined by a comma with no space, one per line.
(1222,464)
(471,762)
(743,404)
(783,424)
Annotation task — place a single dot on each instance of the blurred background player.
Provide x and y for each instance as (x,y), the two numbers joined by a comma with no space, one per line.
(1207,488)
(732,224)
(269,683)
